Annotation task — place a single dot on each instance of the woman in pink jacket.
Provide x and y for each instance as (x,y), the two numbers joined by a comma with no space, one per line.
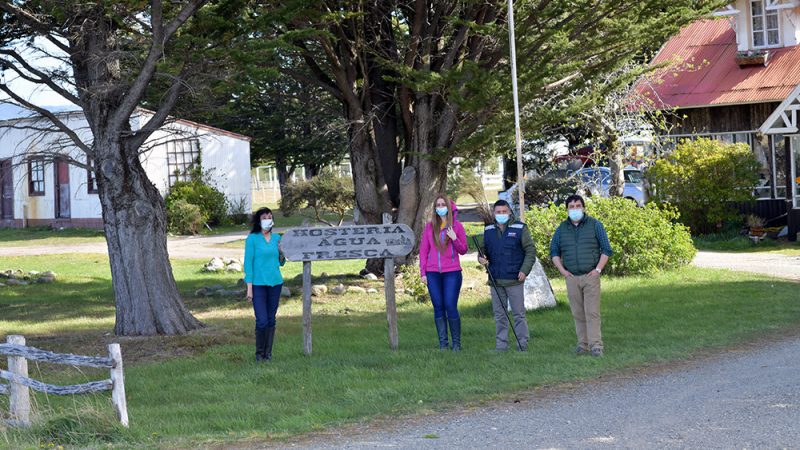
(442,241)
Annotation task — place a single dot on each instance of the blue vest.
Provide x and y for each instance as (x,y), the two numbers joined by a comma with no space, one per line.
(505,252)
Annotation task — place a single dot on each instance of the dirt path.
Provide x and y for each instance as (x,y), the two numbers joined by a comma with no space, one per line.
(774,264)
(737,399)
(179,247)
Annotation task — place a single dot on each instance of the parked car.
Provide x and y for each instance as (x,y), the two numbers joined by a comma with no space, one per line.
(594,181)
(597,181)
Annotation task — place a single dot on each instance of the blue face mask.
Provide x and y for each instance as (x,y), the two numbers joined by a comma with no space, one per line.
(575,215)
(441,211)
(502,219)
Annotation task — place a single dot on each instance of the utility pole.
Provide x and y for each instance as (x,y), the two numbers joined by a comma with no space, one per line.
(517,131)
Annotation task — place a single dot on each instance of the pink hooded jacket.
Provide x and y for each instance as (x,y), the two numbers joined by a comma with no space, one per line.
(431,259)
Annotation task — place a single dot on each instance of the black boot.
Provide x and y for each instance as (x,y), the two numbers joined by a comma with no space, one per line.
(270,340)
(441,330)
(261,343)
(455,333)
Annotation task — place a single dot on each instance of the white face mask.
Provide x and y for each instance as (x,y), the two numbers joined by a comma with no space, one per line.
(266,224)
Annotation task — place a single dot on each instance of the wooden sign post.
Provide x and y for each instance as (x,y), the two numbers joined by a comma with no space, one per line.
(385,241)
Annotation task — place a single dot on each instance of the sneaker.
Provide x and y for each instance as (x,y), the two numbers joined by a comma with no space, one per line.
(580,351)
(597,352)
(523,347)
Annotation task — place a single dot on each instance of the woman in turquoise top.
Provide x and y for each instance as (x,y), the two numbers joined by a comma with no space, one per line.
(262,273)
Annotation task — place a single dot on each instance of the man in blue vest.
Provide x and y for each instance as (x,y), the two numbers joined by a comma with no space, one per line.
(511,254)
(580,250)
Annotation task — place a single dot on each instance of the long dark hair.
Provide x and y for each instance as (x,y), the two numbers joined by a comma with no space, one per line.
(257,219)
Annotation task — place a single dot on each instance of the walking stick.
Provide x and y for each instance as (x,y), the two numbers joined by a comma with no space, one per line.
(494,286)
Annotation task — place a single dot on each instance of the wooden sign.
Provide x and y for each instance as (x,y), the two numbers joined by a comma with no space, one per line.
(385,241)
(349,242)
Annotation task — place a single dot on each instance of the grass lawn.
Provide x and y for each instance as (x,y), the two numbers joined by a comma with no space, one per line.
(205,388)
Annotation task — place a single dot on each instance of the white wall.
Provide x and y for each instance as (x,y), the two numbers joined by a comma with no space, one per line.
(225,155)
(15,143)
(789,23)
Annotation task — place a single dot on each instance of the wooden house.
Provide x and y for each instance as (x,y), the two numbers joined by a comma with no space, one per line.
(736,77)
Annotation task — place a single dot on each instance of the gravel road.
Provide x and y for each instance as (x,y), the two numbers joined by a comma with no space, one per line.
(180,247)
(744,399)
(773,264)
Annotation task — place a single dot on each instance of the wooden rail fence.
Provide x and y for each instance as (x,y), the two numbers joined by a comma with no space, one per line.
(19,388)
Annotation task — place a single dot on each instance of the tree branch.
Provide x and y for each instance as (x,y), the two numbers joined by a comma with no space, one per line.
(43,78)
(161,34)
(49,115)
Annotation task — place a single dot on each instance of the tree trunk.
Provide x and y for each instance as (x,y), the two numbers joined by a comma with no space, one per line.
(283,178)
(615,164)
(147,298)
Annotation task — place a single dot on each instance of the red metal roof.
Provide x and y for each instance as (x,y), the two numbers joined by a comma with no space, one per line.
(703,70)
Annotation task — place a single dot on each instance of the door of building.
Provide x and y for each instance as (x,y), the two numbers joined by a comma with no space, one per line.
(6,190)
(62,189)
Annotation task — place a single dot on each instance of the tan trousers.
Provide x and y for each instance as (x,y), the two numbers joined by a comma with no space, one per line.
(584,301)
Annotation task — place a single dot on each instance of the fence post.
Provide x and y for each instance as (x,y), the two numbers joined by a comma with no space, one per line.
(19,398)
(118,384)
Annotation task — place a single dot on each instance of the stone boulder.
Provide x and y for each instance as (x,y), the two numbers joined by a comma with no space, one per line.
(370,276)
(233,267)
(356,290)
(215,265)
(318,290)
(286,292)
(538,292)
(339,289)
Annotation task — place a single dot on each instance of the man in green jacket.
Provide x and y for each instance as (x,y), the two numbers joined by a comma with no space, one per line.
(511,254)
(580,250)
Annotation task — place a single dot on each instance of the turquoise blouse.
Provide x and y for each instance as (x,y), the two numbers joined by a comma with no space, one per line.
(262,260)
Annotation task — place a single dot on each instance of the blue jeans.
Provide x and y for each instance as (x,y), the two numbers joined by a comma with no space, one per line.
(265,305)
(444,288)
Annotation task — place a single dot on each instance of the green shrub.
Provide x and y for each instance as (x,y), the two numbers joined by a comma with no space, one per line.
(323,193)
(413,285)
(184,217)
(702,178)
(645,240)
(239,212)
(212,203)
(463,181)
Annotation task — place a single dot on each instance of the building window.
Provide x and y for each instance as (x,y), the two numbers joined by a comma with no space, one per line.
(36,176)
(766,27)
(91,179)
(182,155)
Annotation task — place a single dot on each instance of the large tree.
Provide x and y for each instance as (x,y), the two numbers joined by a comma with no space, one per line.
(421,81)
(109,54)
(292,125)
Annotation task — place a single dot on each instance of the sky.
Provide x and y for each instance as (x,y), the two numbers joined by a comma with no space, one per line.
(36,94)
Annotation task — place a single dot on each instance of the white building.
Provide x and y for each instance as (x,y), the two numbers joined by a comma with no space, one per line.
(37,191)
